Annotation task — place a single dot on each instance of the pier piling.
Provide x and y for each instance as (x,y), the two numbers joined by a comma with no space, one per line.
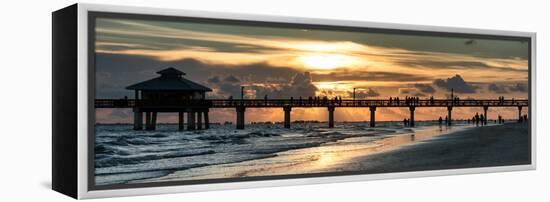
(449,110)
(240,117)
(206,120)
(485,108)
(331,116)
(154,121)
(138,120)
(199,120)
(148,121)
(191,120)
(519,113)
(411,118)
(372,114)
(180,121)
(287,110)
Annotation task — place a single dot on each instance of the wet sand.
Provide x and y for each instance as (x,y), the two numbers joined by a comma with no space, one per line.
(497,145)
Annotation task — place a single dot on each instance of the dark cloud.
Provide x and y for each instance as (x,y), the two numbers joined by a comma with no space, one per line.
(520,87)
(455,83)
(349,75)
(425,88)
(214,79)
(456,65)
(226,86)
(300,86)
(497,88)
(116,71)
(231,79)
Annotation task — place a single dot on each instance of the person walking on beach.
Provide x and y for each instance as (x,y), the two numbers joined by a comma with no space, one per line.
(482,119)
(405,122)
(440,121)
(477,119)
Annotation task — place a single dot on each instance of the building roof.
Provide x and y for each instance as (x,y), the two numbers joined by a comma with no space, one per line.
(169,79)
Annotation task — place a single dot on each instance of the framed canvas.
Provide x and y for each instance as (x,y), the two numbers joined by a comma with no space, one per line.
(151,101)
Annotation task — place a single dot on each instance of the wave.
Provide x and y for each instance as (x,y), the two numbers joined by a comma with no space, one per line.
(121,154)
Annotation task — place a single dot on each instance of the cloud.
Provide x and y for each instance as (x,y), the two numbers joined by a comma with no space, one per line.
(425,88)
(116,71)
(437,64)
(214,80)
(354,75)
(455,83)
(299,85)
(497,88)
(225,87)
(369,93)
(406,90)
(520,87)
(231,79)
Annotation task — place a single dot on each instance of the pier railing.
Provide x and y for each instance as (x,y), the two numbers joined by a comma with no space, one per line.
(274,103)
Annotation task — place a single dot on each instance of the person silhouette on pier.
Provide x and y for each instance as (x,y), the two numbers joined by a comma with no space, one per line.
(405,122)
(440,121)
(477,119)
(446,120)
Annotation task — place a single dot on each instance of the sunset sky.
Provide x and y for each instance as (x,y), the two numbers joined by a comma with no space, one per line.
(285,62)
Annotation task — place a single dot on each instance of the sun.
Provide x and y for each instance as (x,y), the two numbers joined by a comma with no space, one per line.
(327,61)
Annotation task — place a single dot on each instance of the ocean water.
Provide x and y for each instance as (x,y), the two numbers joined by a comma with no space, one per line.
(123,155)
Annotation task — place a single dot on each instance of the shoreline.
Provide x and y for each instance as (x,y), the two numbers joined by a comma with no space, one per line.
(331,157)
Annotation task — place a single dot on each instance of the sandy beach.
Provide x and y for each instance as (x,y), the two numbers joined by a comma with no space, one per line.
(496,145)
(424,149)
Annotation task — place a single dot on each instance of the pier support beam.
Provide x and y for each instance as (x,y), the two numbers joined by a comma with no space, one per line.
(138,120)
(485,108)
(287,110)
(180,121)
(372,114)
(519,113)
(411,118)
(331,116)
(206,120)
(199,120)
(154,121)
(450,111)
(240,117)
(148,121)
(190,120)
